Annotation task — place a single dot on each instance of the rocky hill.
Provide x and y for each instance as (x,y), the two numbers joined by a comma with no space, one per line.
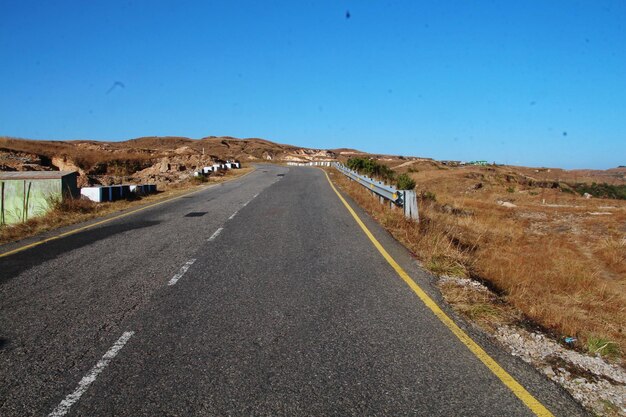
(158,159)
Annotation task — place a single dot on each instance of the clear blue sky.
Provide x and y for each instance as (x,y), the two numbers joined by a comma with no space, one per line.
(529,82)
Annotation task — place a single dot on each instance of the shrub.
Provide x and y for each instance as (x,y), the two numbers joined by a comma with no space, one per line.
(602,190)
(371,168)
(405,182)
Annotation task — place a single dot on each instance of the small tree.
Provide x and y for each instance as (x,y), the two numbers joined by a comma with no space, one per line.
(405,182)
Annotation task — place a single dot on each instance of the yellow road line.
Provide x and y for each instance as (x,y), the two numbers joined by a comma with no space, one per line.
(531,402)
(89,226)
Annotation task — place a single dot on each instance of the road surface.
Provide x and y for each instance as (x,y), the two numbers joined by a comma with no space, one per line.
(260,296)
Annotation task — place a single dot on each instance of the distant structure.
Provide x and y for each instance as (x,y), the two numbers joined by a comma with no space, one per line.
(462,163)
(28,194)
(452,163)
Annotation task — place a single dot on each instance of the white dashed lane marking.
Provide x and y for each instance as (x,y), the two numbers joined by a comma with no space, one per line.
(88,379)
(182,271)
(216,234)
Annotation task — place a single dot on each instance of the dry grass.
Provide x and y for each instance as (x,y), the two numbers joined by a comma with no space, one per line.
(74,211)
(482,307)
(560,266)
(612,252)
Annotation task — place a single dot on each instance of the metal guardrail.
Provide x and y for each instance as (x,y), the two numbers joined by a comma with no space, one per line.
(311,164)
(407,199)
(379,187)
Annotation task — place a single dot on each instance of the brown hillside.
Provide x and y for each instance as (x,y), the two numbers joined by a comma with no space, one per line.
(157,159)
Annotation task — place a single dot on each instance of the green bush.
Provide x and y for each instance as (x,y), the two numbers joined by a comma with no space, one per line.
(405,182)
(602,190)
(371,168)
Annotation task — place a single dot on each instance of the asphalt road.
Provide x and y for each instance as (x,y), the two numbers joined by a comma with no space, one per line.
(261,296)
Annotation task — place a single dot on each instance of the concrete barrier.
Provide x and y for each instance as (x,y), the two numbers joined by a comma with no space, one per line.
(116,192)
(97,194)
(139,189)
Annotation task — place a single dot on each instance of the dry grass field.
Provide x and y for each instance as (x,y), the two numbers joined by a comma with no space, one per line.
(557,258)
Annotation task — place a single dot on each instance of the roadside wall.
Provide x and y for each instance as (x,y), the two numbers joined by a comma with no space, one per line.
(21,200)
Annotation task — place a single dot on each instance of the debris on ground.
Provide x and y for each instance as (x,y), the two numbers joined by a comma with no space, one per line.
(506,204)
(598,385)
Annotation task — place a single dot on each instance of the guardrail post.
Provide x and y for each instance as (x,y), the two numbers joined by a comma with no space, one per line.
(410,205)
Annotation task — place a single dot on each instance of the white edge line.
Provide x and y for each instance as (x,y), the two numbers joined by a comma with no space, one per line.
(88,379)
(215,234)
(182,271)
(232,216)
